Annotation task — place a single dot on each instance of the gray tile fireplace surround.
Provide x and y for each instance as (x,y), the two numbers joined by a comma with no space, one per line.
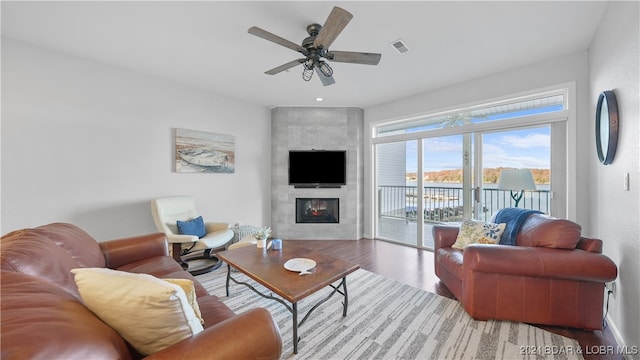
(307,128)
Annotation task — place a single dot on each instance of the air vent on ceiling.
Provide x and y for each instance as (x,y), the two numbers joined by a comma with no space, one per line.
(400,46)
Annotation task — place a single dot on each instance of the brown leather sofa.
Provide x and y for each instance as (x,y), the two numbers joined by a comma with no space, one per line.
(553,276)
(43,315)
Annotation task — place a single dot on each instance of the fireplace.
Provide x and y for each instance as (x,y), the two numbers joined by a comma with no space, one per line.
(317,210)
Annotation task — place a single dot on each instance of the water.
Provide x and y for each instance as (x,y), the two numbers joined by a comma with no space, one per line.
(444,201)
(459,185)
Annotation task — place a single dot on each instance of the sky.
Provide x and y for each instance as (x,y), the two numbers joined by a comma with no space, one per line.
(523,148)
(526,148)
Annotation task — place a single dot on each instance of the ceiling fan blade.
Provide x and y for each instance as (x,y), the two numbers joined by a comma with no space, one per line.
(254,30)
(354,57)
(326,80)
(336,22)
(284,67)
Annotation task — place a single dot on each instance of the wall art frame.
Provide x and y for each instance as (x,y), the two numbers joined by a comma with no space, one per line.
(204,152)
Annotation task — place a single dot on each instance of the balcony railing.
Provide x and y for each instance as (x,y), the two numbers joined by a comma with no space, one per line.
(444,204)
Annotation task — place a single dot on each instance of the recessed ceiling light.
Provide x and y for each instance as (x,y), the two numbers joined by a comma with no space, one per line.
(319,99)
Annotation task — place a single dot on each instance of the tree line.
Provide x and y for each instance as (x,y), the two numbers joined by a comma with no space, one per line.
(489,175)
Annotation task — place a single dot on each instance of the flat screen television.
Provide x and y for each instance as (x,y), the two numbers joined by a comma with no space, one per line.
(317,168)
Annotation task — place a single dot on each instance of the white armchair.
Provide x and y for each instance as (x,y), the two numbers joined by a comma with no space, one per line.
(167,211)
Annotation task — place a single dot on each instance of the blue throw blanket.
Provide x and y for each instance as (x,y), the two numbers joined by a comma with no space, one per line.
(513,217)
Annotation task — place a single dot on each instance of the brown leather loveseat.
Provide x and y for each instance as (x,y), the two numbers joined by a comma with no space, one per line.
(552,275)
(44,317)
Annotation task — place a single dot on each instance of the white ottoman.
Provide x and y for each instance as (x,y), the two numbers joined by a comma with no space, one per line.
(245,241)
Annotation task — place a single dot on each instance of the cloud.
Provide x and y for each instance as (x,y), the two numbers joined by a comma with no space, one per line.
(498,156)
(519,162)
(518,149)
(440,145)
(526,142)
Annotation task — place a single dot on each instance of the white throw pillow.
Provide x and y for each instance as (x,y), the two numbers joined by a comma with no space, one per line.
(150,313)
(478,232)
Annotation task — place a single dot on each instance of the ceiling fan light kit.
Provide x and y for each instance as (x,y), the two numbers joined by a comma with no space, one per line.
(325,69)
(307,74)
(315,48)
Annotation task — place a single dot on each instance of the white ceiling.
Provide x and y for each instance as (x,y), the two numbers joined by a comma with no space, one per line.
(206,44)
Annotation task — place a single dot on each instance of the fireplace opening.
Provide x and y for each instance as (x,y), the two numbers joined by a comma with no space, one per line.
(317,210)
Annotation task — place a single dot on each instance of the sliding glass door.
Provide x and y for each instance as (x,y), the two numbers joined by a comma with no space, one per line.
(445,181)
(445,167)
(397,205)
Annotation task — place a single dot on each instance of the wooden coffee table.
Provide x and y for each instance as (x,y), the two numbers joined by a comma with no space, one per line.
(266,267)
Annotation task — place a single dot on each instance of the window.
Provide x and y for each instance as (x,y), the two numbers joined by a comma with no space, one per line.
(506,110)
(463,147)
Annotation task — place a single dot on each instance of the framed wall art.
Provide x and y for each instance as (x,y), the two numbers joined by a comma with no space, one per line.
(204,152)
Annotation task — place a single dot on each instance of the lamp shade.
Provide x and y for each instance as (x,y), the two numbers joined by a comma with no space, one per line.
(516,179)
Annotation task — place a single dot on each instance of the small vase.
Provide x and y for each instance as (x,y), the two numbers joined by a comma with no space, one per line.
(262,243)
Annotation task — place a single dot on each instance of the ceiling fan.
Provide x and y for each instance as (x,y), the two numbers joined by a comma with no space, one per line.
(315,48)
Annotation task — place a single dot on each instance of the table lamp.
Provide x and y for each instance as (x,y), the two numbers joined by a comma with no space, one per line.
(516,181)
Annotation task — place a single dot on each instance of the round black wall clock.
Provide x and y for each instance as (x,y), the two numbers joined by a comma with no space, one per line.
(607,126)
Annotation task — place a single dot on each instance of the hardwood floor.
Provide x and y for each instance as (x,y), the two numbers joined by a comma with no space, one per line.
(416,267)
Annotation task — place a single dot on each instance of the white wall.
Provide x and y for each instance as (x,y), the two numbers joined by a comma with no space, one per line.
(613,212)
(559,71)
(92,144)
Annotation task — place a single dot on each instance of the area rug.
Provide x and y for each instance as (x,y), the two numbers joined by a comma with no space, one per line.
(390,320)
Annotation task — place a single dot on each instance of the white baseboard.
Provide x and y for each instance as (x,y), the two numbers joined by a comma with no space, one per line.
(632,352)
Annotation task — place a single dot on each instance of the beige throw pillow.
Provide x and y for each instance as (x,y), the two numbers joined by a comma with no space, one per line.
(150,313)
(190,291)
(478,232)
